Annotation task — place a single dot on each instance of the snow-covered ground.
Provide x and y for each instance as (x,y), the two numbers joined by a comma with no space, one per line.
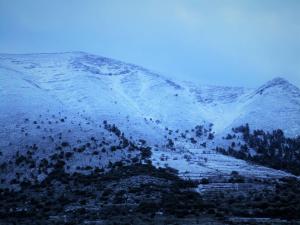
(204,163)
(141,101)
(67,96)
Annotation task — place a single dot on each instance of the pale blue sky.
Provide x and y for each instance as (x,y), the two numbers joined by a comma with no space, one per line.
(240,43)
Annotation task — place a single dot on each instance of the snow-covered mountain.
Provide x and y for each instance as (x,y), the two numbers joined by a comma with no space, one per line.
(274,105)
(67,96)
(96,87)
(137,99)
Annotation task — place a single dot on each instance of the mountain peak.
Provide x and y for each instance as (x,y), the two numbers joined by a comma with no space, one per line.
(278,81)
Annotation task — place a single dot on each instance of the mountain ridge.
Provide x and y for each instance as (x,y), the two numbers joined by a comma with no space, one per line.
(76,71)
(274,80)
(86,108)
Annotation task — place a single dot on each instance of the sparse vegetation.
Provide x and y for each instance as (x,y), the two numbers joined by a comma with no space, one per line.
(272,149)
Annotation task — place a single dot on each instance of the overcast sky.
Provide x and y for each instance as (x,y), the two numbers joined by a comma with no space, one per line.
(239,43)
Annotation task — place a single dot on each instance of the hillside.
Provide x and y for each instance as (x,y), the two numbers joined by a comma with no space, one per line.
(102,87)
(86,139)
(50,100)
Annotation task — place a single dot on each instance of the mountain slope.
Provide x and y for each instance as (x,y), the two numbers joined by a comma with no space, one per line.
(126,95)
(273,105)
(106,88)
(49,99)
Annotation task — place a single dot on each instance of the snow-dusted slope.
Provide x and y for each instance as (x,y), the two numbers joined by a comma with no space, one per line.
(273,105)
(139,101)
(46,99)
(100,88)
